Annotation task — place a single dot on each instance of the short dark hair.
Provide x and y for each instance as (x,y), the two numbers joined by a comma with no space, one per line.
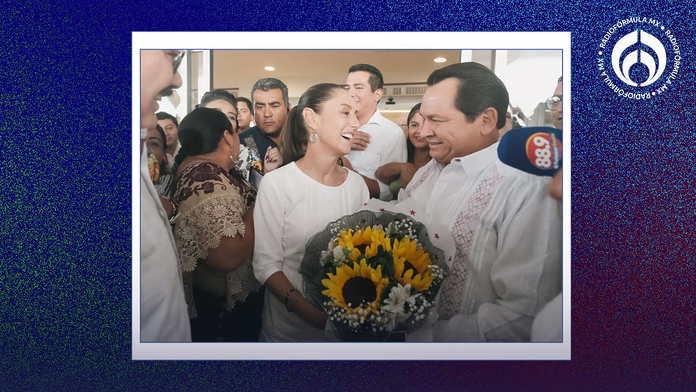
(166,116)
(560,79)
(294,137)
(479,89)
(376,80)
(247,101)
(201,131)
(214,95)
(267,84)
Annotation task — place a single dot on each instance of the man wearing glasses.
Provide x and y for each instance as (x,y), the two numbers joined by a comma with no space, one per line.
(555,105)
(163,311)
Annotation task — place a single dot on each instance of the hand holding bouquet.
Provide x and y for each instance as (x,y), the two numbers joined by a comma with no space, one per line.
(373,274)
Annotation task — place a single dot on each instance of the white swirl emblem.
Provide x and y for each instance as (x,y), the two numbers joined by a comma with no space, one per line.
(639,58)
(655,68)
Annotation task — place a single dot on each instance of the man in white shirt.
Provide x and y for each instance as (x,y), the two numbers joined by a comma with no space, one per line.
(548,324)
(378,141)
(507,231)
(163,311)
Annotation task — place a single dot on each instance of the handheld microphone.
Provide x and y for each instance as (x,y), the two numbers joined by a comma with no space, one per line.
(534,150)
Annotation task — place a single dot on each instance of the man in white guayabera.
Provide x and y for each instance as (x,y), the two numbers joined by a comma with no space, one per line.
(506,230)
(163,311)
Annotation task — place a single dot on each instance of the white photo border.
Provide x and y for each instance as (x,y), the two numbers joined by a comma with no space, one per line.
(367,41)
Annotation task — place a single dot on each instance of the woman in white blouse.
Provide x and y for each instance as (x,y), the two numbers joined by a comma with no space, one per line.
(298,200)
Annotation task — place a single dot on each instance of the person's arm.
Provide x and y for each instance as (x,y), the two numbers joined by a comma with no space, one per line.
(168,206)
(526,272)
(269,212)
(373,186)
(294,301)
(389,172)
(395,151)
(408,170)
(233,251)
(271,204)
(214,228)
(393,171)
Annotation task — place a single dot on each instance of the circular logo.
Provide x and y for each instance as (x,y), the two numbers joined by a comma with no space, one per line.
(639,58)
(544,150)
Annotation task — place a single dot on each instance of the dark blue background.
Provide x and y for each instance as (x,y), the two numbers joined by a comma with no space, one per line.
(65,267)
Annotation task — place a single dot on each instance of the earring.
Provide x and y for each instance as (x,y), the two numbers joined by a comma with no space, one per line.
(313,137)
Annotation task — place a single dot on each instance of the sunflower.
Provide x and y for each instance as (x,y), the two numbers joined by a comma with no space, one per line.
(363,242)
(356,286)
(411,265)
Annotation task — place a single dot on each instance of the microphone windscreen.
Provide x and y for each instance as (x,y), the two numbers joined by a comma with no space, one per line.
(534,150)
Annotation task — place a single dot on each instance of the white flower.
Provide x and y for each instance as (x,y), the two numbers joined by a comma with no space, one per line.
(331,245)
(324,258)
(338,254)
(398,297)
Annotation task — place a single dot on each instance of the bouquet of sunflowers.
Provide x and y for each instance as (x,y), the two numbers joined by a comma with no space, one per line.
(373,274)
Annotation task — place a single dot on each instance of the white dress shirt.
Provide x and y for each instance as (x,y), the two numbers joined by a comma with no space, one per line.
(548,324)
(291,207)
(387,144)
(508,236)
(163,311)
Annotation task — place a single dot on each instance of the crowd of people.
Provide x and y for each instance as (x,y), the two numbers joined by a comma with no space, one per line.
(228,206)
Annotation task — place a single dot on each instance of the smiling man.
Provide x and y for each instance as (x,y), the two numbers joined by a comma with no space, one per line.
(379,141)
(163,310)
(171,130)
(507,231)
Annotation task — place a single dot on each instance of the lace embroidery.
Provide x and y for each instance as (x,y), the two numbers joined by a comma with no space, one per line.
(201,227)
(210,210)
(413,186)
(463,232)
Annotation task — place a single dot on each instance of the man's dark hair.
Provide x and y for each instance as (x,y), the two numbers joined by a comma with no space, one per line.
(376,80)
(478,90)
(166,116)
(268,84)
(560,79)
(248,102)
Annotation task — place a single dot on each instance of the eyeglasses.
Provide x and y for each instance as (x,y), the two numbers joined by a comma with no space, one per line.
(553,101)
(177,60)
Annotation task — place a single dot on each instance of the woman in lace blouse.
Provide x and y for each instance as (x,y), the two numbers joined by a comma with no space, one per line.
(214,230)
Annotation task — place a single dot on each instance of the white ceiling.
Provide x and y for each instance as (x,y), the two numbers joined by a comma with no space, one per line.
(529,75)
(300,69)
